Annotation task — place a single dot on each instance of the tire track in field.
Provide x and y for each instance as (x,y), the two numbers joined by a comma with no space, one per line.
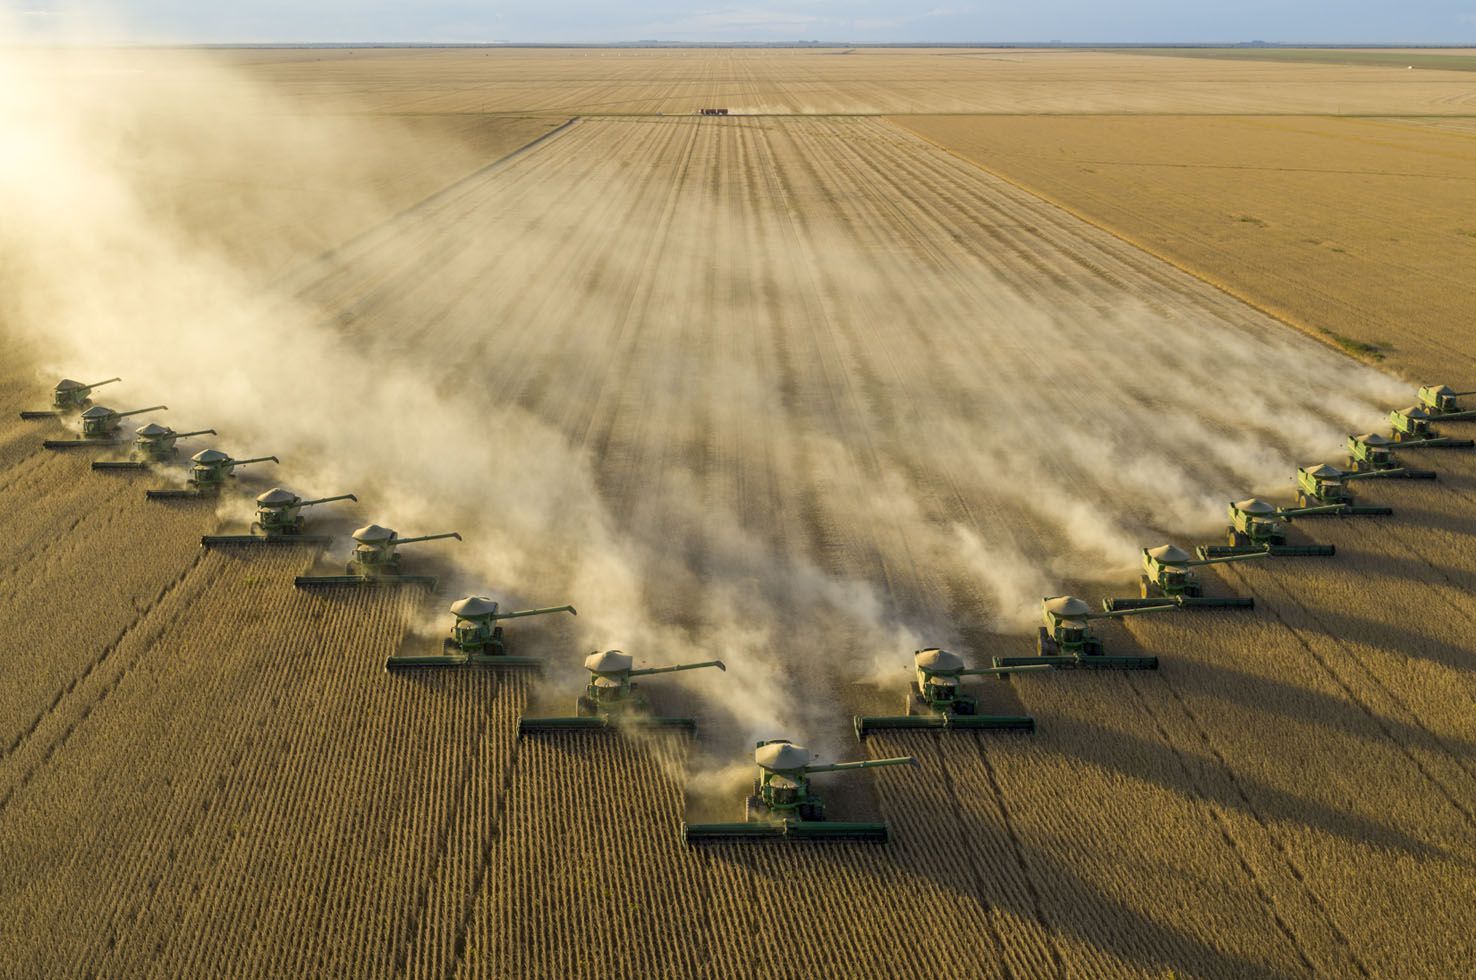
(1223,828)
(1452,797)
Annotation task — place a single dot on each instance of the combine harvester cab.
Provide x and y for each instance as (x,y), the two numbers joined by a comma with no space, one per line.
(68,398)
(1167,576)
(100,427)
(1412,429)
(783,805)
(1323,485)
(376,560)
(1443,402)
(611,699)
(476,639)
(1372,453)
(1066,641)
(1257,526)
(279,520)
(209,470)
(936,700)
(153,444)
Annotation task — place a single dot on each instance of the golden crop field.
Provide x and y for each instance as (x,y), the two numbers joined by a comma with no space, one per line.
(911,340)
(1356,230)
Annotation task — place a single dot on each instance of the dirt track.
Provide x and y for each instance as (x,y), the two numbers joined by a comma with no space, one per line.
(838,393)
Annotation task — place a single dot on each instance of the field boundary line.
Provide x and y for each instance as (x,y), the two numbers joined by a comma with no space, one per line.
(1284,317)
(298,279)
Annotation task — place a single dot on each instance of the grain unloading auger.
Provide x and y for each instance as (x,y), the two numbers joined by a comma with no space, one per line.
(1371,452)
(279,520)
(1443,402)
(376,560)
(1323,485)
(100,427)
(1257,526)
(152,444)
(783,804)
(936,699)
(68,398)
(611,698)
(1412,429)
(1167,575)
(1067,641)
(209,470)
(476,639)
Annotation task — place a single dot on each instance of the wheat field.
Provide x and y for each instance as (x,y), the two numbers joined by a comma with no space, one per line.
(909,341)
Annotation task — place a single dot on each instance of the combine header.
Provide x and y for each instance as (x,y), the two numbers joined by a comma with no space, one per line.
(1323,485)
(783,804)
(936,700)
(1441,402)
(476,639)
(1066,640)
(1256,526)
(68,398)
(1371,452)
(100,427)
(152,444)
(209,470)
(611,699)
(1412,430)
(1167,576)
(376,561)
(279,520)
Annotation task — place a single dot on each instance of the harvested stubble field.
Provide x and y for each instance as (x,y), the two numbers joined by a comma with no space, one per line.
(800,392)
(1359,231)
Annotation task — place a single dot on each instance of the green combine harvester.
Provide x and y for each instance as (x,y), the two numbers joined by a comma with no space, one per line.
(376,560)
(100,427)
(611,699)
(1412,429)
(1167,575)
(1066,641)
(1441,401)
(153,444)
(476,639)
(1256,526)
(784,806)
(209,470)
(68,398)
(936,700)
(279,520)
(1371,452)
(1323,485)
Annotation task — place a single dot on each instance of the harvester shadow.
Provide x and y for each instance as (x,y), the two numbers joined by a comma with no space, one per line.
(1407,639)
(1262,802)
(1126,934)
(1323,710)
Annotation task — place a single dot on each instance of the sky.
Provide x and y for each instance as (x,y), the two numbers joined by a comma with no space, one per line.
(244,21)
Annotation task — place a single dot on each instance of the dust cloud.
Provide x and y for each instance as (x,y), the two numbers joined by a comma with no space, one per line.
(730,389)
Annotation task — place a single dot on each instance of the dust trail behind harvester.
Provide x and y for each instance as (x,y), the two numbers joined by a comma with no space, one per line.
(796,394)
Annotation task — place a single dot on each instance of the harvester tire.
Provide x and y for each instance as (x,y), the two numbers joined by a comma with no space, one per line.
(585,708)
(965,706)
(753,809)
(1144,588)
(811,811)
